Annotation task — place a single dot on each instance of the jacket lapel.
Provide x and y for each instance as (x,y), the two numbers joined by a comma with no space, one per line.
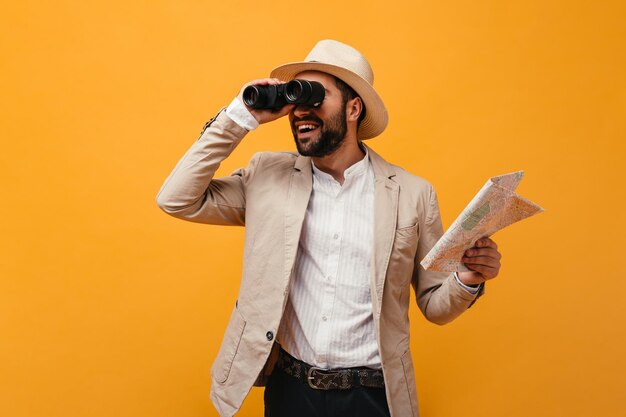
(300,187)
(385,217)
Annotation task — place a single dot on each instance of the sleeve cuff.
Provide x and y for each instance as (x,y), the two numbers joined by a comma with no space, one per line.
(471,290)
(239,114)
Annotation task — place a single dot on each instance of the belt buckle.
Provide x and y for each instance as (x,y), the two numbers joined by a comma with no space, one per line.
(310,377)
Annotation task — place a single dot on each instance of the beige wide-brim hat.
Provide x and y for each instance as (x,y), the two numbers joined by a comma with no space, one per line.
(350,66)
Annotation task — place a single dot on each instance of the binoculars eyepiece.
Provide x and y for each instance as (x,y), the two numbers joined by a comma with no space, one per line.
(275,97)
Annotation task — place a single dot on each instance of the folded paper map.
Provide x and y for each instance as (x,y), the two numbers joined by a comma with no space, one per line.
(494,207)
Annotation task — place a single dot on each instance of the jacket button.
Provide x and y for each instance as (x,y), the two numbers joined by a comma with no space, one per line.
(269,335)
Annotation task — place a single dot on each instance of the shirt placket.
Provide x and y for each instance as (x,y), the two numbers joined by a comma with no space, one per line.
(331,268)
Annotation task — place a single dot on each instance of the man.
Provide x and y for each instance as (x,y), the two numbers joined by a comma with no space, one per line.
(334,237)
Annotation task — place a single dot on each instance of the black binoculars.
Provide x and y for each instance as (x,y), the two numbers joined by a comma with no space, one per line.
(274,97)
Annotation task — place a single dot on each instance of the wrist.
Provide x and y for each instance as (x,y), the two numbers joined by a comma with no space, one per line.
(469,278)
(240,114)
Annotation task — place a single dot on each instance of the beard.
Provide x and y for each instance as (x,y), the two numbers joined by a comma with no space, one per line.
(332,134)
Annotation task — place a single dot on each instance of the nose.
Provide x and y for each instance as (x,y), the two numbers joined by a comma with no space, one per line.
(302,110)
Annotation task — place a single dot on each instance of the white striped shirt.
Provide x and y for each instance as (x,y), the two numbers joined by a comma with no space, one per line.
(328,319)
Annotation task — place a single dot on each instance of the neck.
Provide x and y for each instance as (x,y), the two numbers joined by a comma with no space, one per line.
(335,164)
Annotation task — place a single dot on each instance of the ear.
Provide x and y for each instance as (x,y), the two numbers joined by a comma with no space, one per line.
(354,109)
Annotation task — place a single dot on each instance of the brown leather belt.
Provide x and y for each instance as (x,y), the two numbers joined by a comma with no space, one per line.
(327,379)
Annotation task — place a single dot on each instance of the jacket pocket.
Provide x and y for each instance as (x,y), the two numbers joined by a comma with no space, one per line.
(405,242)
(401,261)
(230,345)
(407,232)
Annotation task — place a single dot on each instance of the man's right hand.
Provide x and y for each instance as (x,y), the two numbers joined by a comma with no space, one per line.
(263,115)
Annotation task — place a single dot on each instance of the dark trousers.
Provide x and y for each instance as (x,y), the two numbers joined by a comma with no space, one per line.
(286,396)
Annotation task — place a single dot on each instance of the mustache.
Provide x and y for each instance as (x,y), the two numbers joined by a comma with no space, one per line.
(309,118)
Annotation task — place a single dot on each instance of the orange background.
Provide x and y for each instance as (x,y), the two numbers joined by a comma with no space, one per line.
(109,307)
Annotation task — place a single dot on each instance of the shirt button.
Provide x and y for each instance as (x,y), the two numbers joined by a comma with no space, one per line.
(324,318)
(336,236)
(269,335)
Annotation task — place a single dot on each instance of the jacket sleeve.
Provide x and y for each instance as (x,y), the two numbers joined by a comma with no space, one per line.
(191,193)
(439,296)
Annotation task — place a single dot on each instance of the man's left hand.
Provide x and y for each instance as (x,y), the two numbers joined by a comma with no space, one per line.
(483,260)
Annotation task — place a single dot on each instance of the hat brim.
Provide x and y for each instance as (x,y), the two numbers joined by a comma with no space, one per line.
(376,118)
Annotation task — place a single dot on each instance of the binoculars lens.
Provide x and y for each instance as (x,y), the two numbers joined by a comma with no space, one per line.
(253,97)
(293,90)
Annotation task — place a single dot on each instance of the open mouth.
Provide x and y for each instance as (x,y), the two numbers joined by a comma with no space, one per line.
(306,127)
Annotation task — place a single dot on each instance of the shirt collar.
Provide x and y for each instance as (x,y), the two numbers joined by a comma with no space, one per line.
(356,169)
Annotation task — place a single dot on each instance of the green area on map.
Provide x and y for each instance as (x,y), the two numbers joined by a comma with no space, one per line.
(474,218)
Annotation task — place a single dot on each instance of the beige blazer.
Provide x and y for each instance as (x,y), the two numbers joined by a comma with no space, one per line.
(269,198)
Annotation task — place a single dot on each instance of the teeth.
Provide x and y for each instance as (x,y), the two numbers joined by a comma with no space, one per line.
(308,127)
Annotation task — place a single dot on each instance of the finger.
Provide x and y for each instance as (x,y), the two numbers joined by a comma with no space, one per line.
(285,110)
(483,252)
(264,81)
(486,271)
(268,115)
(485,242)
(274,81)
(481,260)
